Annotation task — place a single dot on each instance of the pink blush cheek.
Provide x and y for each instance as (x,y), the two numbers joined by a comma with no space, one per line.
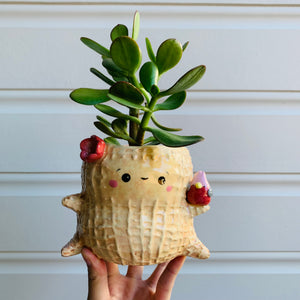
(113,183)
(169,188)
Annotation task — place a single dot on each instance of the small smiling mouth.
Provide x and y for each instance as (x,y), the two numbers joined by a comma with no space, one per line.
(144,178)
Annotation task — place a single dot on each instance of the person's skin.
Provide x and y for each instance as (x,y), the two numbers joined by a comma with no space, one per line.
(106,282)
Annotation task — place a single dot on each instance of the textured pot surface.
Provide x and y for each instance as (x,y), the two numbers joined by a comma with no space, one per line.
(133,210)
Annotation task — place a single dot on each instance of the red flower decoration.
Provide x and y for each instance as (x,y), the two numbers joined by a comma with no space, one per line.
(92,149)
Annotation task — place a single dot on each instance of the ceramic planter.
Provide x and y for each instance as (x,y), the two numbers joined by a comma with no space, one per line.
(133,207)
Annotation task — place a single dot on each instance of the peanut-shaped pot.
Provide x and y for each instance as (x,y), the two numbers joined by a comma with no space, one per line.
(133,210)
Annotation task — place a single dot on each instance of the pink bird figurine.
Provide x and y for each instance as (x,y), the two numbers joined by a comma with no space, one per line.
(200,191)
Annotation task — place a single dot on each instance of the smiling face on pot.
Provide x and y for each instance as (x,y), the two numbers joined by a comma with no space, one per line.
(149,172)
(134,177)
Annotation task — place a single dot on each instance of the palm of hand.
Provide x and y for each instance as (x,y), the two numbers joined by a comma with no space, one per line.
(106,282)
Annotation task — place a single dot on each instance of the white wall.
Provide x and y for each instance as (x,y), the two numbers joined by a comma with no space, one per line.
(247,106)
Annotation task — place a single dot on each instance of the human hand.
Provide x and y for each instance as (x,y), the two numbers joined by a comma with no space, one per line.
(106,282)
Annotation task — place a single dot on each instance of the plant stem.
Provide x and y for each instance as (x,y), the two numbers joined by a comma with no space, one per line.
(135,130)
(133,126)
(145,120)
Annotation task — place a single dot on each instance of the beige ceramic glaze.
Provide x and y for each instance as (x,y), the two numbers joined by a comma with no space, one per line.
(141,221)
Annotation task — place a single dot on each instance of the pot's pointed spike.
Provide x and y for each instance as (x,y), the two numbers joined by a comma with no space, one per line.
(198,250)
(73,247)
(73,202)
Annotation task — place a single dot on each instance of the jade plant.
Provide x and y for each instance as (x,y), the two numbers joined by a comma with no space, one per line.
(135,85)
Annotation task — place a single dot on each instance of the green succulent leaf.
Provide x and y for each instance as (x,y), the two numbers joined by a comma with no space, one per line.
(136,25)
(117,76)
(117,73)
(172,102)
(115,113)
(118,30)
(89,96)
(126,94)
(111,140)
(173,140)
(126,54)
(102,76)
(104,121)
(105,129)
(151,141)
(149,75)
(154,120)
(150,50)
(168,55)
(109,65)
(127,91)
(186,81)
(119,126)
(185,45)
(154,90)
(127,103)
(95,46)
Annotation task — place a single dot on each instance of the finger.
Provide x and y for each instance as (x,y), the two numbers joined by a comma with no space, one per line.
(154,277)
(168,277)
(135,272)
(97,274)
(112,269)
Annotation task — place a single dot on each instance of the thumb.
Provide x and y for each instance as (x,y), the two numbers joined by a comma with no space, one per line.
(97,276)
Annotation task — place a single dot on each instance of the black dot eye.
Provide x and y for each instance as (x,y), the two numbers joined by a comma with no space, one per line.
(161,180)
(126,177)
